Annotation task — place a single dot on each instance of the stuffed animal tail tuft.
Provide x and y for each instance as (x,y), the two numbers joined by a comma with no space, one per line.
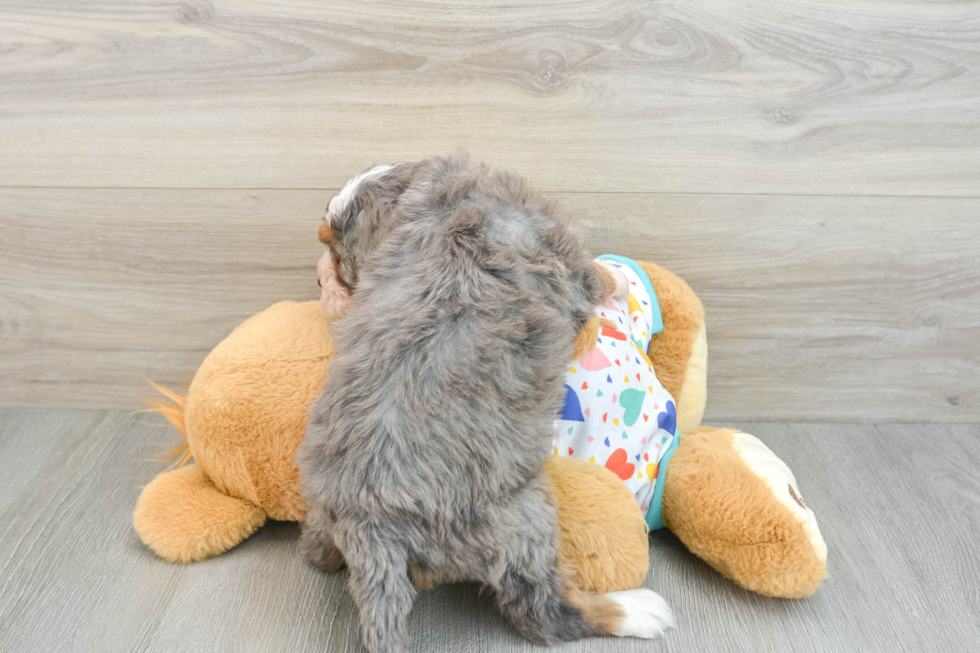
(183,517)
(171,405)
(181,514)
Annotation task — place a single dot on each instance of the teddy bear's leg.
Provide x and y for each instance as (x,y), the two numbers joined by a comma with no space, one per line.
(183,517)
(603,534)
(680,352)
(736,505)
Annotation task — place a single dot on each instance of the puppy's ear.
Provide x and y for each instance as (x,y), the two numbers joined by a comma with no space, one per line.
(334,297)
(345,270)
(345,265)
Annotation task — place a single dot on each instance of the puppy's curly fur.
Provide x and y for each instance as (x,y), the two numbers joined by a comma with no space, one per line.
(426,448)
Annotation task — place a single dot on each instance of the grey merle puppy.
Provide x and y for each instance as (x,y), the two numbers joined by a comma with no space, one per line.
(423,456)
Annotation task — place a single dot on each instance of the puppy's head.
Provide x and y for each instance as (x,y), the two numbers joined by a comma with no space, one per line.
(356,222)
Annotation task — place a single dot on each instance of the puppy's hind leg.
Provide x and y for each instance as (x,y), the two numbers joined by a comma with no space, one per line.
(537,593)
(316,543)
(381,588)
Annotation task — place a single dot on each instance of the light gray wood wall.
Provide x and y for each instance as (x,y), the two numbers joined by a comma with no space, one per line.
(812,169)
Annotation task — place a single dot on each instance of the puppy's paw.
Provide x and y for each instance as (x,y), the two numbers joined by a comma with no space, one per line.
(329,560)
(318,548)
(615,282)
(645,614)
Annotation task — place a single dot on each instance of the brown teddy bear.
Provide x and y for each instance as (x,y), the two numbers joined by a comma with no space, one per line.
(724,494)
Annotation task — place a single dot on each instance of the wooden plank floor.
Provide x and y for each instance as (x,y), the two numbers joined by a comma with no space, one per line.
(899,507)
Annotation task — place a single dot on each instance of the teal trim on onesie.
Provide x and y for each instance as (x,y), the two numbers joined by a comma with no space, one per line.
(655,511)
(656,318)
(655,519)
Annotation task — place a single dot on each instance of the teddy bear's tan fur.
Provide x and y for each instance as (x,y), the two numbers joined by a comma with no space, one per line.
(245,414)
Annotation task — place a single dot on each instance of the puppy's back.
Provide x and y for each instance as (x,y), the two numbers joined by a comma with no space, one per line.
(450,362)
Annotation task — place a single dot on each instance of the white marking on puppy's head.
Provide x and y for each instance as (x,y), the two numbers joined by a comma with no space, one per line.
(336,270)
(340,201)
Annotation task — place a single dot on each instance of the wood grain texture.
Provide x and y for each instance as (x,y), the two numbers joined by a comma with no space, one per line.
(871,97)
(100,291)
(898,506)
(817,308)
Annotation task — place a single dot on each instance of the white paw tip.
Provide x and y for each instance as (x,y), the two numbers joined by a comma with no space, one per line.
(646,614)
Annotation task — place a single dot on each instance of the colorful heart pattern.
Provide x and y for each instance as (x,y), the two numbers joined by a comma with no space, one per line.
(632,402)
(667,420)
(617,464)
(601,407)
(572,410)
(594,360)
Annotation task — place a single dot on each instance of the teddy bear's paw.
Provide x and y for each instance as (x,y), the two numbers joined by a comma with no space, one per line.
(645,614)
(781,482)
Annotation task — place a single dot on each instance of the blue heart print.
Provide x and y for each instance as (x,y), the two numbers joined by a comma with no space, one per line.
(572,410)
(668,420)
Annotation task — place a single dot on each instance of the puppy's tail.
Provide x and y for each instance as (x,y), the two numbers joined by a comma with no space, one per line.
(630,613)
